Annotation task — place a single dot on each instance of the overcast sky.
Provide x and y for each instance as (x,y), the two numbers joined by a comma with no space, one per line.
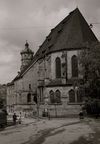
(32,20)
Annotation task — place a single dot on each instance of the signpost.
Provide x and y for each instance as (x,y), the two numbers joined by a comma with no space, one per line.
(55,110)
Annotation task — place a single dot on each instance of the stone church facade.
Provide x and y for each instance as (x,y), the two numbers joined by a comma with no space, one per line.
(52,76)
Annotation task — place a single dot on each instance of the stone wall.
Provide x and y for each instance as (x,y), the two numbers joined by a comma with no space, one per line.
(60,110)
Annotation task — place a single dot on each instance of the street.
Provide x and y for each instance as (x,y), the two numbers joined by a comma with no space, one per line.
(55,131)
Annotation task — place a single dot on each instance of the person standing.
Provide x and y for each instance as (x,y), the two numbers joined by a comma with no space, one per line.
(20,118)
(14,118)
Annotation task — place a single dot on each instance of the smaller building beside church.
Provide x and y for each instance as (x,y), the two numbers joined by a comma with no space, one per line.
(53,75)
(3,94)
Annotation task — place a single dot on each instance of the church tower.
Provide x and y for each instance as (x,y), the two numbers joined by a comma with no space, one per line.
(26,56)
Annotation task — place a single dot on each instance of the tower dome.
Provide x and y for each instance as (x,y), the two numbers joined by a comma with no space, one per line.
(27,49)
(26,56)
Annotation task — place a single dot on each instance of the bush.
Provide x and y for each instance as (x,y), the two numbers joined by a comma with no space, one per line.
(93,107)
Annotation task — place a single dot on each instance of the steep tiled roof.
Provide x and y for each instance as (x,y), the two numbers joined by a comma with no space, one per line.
(72,32)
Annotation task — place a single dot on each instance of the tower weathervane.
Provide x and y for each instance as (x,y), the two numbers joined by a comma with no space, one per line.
(27,45)
(76,3)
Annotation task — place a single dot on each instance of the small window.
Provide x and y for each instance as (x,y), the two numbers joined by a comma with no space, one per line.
(71,96)
(28,97)
(43,51)
(29,86)
(49,38)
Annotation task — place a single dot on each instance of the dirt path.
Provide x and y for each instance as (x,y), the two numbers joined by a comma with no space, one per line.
(64,131)
(93,138)
(40,139)
(73,133)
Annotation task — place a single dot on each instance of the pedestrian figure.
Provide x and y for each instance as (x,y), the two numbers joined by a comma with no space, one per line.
(49,115)
(14,118)
(20,118)
(81,116)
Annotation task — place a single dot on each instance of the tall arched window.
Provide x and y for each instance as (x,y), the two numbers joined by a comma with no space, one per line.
(29,97)
(74,64)
(58,67)
(71,96)
(58,96)
(52,97)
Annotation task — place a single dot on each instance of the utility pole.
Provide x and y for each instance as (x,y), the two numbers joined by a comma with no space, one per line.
(66,67)
(55,110)
(44,78)
(75,90)
(38,106)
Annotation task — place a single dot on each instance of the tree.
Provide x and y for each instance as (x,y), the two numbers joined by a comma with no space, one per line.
(90,61)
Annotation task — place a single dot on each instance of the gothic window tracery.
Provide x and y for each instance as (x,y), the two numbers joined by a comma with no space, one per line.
(58,67)
(55,97)
(74,64)
(58,96)
(52,98)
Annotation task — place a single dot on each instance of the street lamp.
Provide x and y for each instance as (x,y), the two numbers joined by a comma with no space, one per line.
(76,90)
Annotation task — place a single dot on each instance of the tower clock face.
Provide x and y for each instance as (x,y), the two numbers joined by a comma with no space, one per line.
(27,56)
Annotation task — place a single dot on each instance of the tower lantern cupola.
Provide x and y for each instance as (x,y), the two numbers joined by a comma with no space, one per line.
(26,56)
(26,45)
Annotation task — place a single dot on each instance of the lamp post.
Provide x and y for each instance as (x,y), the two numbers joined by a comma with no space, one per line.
(76,89)
(37,106)
(55,110)
(47,107)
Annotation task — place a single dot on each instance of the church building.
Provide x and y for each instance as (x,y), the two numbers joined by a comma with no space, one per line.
(51,78)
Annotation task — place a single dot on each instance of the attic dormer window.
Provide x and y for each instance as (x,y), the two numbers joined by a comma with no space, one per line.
(43,51)
(29,86)
(52,29)
(50,46)
(59,31)
(70,13)
(49,39)
(63,22)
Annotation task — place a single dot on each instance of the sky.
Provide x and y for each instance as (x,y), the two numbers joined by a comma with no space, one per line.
(32,20)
